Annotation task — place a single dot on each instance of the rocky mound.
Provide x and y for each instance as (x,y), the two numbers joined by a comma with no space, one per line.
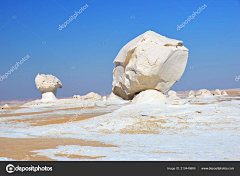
(149,97)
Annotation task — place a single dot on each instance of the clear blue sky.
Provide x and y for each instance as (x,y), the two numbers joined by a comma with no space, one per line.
(81,54)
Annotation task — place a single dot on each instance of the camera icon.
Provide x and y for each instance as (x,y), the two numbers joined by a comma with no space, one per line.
(10,168)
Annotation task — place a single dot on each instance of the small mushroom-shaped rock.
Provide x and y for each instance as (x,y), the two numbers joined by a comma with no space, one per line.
(204,93)
(217,92)
(172,94)
(223,92)
(191,94)
(48,84)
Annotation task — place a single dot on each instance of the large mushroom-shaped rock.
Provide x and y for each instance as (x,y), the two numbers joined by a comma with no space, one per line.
(172,94)
(48,84)
(217,92)
(150,61)
(223,92)
(150,96)
(204,93)
(191,94)
(91,96)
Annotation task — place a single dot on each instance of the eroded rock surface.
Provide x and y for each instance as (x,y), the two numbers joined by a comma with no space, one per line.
(149,97)
(48,84)
(172,94)
(150,61)
(191,94)
(204,93)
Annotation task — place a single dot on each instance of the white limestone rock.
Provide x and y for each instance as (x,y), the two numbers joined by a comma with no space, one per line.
(191,94)
(6,106)
(113,97)
(204,93)
(150,61)
(91,96)
(217,92)
(172,94)
(48,84)
(104,98)
(149,97)
(223,92)
(76,97)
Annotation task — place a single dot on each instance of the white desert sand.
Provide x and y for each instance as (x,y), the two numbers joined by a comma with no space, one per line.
(199,128)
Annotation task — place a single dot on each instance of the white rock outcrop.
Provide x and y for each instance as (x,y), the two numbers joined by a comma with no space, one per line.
(91,96)
(150,61)
(223,92)
(149,96)
(48,84)
(104,98)
(204,93)
(191,94)
(6,106)
(172,94)
(76,97)
(217,92)
(113,97)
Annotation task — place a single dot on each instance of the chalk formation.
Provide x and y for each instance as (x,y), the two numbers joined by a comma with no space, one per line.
(150,61)
(223,92)
(172,94)
(89,96)
(48,84)
(146,68)
(217,92)
(204,93)
(149,96)
(191,94)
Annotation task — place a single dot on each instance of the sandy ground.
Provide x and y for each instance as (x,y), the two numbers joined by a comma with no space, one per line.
(206,129)
(20,148)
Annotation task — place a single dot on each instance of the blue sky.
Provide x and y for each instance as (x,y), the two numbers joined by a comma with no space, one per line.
(81,54)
